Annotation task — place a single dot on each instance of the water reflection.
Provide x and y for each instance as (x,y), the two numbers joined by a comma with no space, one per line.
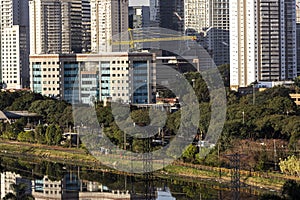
(47,180)
(70,187)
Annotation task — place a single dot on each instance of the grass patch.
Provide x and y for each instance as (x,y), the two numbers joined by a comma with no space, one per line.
(80,157)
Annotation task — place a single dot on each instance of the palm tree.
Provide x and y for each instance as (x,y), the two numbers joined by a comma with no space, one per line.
(19,193)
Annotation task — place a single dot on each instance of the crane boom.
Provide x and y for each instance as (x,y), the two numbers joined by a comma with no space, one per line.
(132,41)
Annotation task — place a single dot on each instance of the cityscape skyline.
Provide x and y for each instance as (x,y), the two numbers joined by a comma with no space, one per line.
(258,38)
(149,99)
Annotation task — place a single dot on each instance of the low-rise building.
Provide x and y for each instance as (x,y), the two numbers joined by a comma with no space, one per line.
(296,98)
(85,78)
(9,178)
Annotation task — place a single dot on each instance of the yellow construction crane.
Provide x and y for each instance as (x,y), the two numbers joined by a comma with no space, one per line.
(132,41)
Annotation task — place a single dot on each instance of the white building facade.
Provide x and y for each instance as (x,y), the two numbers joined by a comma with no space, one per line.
(196,15)
(9,178)
(108,18)
(14,43)
(84,78)
(86,26)
(55,26)
(262,41)
(211,19)
(298,35)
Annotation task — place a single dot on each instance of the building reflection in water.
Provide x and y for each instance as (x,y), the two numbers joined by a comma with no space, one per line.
(70,187)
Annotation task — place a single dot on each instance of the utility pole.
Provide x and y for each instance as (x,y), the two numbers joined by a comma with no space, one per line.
(220,174)
(235,160)
(275,155)
(78,137)
(148,169)
(243,116)
(193,80)
(124,140)
(253,92)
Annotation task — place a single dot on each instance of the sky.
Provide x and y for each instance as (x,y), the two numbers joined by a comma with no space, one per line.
(139,2)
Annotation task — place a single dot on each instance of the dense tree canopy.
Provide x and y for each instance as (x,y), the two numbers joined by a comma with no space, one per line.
(272,114)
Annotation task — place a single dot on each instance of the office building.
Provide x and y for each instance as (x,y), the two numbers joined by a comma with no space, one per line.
(9,178)
(262,41)
(72,29)
(139,17)
(108,18)
(171,15)
(209,19)
(195,15)
(153,9)
(14,43)
(85,78)
(71,187)
(298,35)
(55,26)
(89,81)
(46,189)
(86,26)
(164,14)
(45,74)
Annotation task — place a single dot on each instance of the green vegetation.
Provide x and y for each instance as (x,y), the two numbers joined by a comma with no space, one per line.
(290,165)
(290,191)
(267,116)
(19,193)
(55,117)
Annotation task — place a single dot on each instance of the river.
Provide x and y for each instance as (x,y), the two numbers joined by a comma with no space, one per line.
(55,181)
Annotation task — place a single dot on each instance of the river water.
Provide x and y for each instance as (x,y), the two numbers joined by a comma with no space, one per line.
(55,181)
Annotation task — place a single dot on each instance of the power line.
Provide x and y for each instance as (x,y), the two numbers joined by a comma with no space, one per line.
(235,162)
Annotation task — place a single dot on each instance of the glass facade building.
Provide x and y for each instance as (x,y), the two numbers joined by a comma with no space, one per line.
(140,82)
(37,77)
(71,82)
(82,78)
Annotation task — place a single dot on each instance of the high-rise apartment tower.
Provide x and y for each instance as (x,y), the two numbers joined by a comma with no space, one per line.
(262,41)
(55,26)
(14,43)
(209,19)
(108,18)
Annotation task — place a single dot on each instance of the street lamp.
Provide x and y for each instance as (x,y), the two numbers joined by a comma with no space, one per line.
(253,92)
(193,80)
(243,117)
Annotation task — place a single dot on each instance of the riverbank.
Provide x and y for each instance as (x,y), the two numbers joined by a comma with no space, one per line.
(81,157)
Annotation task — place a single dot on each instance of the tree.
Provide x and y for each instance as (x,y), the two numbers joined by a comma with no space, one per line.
(199,85)
(294,140)
(51,110)
(53,135)
(189,153)
(262,160)
(290,126)
(297,82)
(290,165)
(173,122)
(24,101)
(225,73)
(39,134)
(270,197)
(7,98)
(26,136)
(290,190)
(138,145)
(281,105)
(66,119)
(58,135)
(104,115)
(19,193)
(140,117)
(270,126)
